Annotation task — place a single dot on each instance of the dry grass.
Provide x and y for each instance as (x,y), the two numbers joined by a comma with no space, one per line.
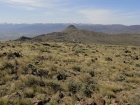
(42,70)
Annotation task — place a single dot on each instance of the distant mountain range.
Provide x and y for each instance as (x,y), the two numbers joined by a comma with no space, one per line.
(14,31)
(75,35)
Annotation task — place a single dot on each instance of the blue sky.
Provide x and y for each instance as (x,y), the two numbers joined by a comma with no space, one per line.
(125,12)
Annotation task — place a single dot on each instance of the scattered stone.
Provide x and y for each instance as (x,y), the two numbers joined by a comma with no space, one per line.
(43,58)
(100,101)
(31,69)
(75,98)
(88,101)
(15,76)
(37,102)
(15,95)
(78,103)
(116,101)
(73,72)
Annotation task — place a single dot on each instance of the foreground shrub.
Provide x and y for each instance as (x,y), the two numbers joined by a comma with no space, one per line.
(54,85)
(74,86)
(20,102)
(108,59)
(2,102)
(76,68)
(86,90)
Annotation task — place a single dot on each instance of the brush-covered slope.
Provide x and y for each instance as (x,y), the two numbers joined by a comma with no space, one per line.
(73,34)
(50,73)
(14,31)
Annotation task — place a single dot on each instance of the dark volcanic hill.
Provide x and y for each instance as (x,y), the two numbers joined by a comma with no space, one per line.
(73,34)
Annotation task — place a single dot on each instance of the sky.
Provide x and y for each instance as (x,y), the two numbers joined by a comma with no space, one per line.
(125,12)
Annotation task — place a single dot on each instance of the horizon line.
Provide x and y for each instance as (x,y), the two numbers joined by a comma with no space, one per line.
(67,23)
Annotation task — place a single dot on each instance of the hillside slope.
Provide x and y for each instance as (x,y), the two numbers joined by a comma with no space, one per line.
(73,34)
(14,31)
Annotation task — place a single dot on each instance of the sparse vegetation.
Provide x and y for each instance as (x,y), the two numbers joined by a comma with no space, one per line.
(55,73)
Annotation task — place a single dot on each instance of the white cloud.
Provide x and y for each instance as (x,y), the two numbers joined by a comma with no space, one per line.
(97,16)
(102,16)
(32,4)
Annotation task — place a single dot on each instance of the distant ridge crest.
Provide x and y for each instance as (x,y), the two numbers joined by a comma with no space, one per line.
(71,26)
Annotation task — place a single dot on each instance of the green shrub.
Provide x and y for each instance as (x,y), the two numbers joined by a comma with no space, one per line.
(21,102)
(7,65)
(74,86)
(108,59)
(86,90)
(54,85)
(79,51)
(29,93)
(32,80)
(76,68)
(45,50)
(137,65)
(2,102)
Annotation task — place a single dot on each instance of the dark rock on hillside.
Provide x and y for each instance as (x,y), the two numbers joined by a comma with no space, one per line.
(23,38)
